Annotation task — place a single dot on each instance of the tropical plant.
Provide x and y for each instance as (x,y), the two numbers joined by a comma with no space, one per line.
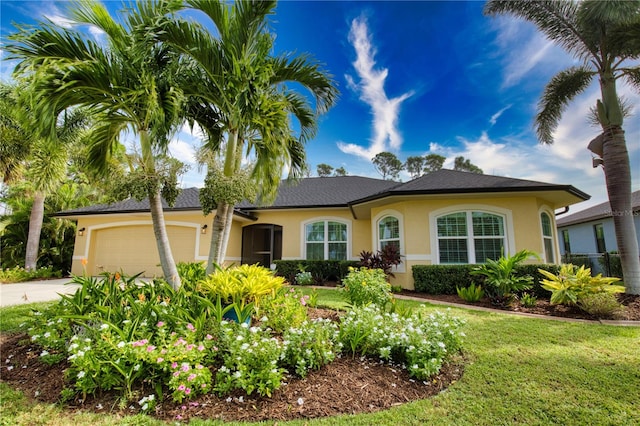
(243,80)
(601,305)
(501,279)
(604,36)
(572,284)
(472,293)
(528,300)
(282,309)
(385,259)
(131,81)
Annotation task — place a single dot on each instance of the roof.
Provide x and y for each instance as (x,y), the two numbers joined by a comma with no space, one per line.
(346,191)
(599,211)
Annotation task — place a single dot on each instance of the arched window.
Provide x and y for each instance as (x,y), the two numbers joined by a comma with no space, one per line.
(325,240)
(547,238)
(389,232)
(470,237)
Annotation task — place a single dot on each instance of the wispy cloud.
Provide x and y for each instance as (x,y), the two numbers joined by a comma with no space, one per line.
(494,118)
(371,91)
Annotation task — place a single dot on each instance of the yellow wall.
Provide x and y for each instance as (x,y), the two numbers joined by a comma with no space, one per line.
(418,240)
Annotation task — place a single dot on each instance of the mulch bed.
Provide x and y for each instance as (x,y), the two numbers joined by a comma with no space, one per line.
(346,386)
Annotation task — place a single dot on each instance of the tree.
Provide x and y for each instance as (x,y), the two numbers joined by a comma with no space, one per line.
(246,83)
(604,35)
(414,166)
(324,170)
(433,163)
(465,165)
(132,82)
(340,171)
(388,165)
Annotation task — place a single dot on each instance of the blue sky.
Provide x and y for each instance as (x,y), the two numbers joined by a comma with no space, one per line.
(419,78)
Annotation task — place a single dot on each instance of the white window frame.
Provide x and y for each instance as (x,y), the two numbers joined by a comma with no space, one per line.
(326,220)
(377,240)
(507,216)
(551,238)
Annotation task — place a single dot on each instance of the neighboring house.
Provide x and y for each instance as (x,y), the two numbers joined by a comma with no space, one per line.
(443,217)
(591,231)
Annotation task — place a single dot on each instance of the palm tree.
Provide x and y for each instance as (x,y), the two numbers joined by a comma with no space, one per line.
(245,84)
(605,36)
(131,83)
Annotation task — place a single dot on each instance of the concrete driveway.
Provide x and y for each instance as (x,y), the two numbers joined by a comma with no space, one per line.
(34,291)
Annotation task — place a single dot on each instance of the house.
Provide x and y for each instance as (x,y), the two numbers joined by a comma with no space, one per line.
(443,217)
(591,231)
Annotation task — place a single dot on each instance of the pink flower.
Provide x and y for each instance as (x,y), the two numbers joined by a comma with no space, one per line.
(204,385)
(150,348)
(178,417)
(160,324)
(159,360)
(189,347)
(174,364)
(209,337)
(303,301)
(187,391)
(191,327)
(181,387)
(176,374)
(201,348)
(185,367)
(193,404)
(191,377)
(199,366)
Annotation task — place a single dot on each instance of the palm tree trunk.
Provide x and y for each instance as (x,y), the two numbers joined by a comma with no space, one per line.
(617,172)
(169,268)
(35,228)
(220,232)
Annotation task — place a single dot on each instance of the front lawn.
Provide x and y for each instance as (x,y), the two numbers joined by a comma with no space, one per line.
(519,371)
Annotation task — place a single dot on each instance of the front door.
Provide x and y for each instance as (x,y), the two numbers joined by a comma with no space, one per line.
(261,244)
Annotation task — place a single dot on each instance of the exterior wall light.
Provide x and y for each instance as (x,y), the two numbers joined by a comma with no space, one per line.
(81,231)
(203,230)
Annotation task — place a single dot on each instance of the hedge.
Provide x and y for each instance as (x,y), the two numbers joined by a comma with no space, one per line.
(443,279)
(321,270)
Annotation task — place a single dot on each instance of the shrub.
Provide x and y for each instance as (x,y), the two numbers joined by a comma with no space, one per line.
(396,289)
(441,279)
(423,341)
(310,345)
(19,274)
(364,286)
(601,305)
(471,293)
(321,270)
(528,300)
(286,308)
(501,280)
(611,264)
(384,259)
(304,278)
(191,273)
(572,283)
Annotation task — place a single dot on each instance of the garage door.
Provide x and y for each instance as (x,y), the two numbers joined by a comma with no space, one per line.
(133,249)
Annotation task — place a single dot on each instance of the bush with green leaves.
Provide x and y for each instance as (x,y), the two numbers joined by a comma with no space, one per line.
(365,286)
(501,279)
(286,308)
(528,300)
(601,305)
(310,346)
(191,273)
(19,274)
(304,278)
(421,342)
(572,284)
(471,294)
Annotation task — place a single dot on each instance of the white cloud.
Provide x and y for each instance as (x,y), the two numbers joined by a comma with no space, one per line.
(182,151)
(494,118)
(371,90)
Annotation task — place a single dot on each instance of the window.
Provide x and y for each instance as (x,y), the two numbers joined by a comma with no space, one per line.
(326,240)
(470,237)
(598,230)
(566,241)
(547,238)
(388,232)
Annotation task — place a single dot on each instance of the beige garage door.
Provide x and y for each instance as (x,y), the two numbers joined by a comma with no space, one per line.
(133,249)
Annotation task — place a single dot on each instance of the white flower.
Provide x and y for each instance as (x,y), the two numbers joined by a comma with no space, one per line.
(104,326)
(99,406)
(10,367)
(121,345)
(237,374)
(300,401)
(47,335)
(81,374)
(44,353)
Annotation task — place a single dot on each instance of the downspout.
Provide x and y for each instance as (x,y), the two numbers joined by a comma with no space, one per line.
(566,210)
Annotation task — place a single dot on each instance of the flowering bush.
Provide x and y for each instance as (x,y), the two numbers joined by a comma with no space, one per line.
(249,360)
(310,346)
(286,308)
(363,286)
(422,341)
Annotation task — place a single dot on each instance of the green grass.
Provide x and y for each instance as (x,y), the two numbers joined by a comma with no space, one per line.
(519,371)
(12,316)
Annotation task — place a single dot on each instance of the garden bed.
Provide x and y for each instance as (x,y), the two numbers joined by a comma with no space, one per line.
(345,386)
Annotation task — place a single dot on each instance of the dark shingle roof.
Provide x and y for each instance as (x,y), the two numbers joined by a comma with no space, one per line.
(597,212)
(447,181)
(343,191)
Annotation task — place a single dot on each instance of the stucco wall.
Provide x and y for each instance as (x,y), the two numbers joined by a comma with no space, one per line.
(582,236)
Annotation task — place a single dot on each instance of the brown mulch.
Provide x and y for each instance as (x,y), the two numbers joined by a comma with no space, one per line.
(345,386)
(630,312)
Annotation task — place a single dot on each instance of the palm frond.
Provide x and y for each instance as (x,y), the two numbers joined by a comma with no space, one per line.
(562,88)
(632,76)
(556,19)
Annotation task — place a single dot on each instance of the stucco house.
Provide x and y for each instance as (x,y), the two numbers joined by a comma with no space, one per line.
(443,217)
(591,231)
